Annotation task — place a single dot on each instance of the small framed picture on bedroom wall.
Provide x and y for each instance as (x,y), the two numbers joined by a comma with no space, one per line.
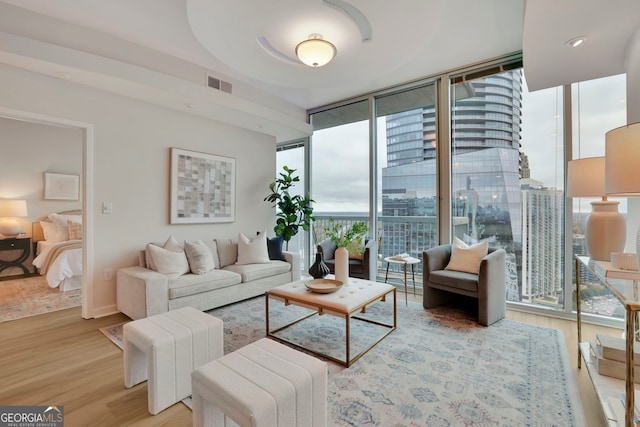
(59,186)
(203,187)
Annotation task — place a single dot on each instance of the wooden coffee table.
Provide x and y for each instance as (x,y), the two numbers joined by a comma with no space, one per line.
(350,299)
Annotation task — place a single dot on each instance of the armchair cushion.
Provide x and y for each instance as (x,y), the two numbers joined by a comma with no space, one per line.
(467,258)
(328,249)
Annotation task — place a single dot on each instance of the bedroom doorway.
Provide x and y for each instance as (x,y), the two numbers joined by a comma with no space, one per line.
(86,178)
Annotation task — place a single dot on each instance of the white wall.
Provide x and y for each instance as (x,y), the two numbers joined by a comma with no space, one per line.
(132,142)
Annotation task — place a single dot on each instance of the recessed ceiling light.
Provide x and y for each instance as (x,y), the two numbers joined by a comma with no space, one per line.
(576,41)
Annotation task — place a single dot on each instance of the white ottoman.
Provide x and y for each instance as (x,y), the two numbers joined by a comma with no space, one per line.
(263,384)
(166,348)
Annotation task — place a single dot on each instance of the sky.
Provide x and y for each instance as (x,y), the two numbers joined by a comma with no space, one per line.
(598,105)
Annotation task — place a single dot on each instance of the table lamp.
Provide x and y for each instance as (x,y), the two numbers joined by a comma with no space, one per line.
(9,209)
(622,164)
(605,228)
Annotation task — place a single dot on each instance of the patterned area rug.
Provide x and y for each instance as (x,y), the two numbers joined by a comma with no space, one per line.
(439,368)
(32,295)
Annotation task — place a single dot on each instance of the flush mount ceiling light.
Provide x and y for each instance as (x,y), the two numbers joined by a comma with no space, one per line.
(315,52)
(576,41)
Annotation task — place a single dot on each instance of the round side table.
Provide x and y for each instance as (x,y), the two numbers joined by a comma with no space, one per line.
(404,261)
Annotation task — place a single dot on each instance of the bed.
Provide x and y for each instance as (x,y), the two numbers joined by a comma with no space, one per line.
(57,240)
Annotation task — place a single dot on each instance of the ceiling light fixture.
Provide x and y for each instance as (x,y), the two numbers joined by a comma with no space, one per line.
(576,41)
(315,52)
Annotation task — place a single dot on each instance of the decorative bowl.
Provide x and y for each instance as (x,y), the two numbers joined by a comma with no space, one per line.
(323,286)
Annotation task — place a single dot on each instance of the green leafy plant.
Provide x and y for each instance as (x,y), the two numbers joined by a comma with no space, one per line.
(350,238)
(292,212)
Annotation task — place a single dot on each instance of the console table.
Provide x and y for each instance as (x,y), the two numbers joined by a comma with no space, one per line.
(15,244)
(625,285)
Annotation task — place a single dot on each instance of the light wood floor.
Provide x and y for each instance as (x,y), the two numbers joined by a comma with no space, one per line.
(60,359)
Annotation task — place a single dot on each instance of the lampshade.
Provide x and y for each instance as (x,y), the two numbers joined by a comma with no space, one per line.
(622,161)
(605,228)
(585,177)
(9,209)
(622,172)
(315,52)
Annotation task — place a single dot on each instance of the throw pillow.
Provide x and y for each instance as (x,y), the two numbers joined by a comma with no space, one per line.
(75,230)
(252,251)
(171,244)
(227,252)
(171,263)
(467,258)
(199,257)
(274,247)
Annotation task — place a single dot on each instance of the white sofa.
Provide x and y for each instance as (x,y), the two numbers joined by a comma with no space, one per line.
(142,292)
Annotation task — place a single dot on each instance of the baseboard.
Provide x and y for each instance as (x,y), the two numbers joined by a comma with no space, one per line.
(105,311)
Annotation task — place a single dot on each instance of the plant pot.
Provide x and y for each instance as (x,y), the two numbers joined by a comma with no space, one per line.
(342,265)
(319,269)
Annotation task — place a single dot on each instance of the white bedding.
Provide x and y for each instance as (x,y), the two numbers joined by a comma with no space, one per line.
(66,266)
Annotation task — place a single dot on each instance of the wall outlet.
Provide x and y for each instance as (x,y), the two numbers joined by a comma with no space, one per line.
(108,273)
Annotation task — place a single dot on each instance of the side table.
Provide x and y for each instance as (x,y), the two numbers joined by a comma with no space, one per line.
(404,261)
(15,244)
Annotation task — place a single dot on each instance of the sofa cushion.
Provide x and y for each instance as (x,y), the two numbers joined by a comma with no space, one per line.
(455,279)
(252,251)
(192,284)
(170,244)
(227,252)
(250,272)
(199,257)
(168,262)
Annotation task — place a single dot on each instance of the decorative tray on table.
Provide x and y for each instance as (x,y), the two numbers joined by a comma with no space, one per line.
(323,286)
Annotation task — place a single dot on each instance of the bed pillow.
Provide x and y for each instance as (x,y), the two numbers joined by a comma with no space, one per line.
(170,244)
(171,263)
(199,256)
(467,258)
(252,251)
(60,222)
(75,230)
(50,231)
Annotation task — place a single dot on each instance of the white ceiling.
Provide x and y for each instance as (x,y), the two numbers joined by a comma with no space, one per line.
(411,39)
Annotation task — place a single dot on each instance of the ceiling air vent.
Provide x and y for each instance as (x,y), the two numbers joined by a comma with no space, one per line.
(218,84)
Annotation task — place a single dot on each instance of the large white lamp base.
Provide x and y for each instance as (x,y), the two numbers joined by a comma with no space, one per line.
(605,231)
(10,227)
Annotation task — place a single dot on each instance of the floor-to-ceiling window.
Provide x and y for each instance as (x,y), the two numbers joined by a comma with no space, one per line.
(407,203)
(340,169)
(598,106)
(507,179)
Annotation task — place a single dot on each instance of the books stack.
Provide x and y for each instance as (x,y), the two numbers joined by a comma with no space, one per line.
(401,257)
(609,356)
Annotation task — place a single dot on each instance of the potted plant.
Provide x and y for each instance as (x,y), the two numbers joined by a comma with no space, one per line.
(349,241)
(350,238)
(292,212)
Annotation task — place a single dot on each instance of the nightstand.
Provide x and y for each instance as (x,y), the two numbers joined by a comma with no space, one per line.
(15,244)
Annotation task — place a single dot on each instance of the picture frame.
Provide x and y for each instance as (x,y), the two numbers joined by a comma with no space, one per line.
(59,186)
(202,187)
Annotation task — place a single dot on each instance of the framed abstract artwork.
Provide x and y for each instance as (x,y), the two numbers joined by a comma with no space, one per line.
(203,187)
(59,186)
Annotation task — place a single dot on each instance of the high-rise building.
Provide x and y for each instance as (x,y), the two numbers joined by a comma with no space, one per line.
(542,243)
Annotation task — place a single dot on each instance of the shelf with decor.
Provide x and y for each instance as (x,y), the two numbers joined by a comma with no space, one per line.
(617,397)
